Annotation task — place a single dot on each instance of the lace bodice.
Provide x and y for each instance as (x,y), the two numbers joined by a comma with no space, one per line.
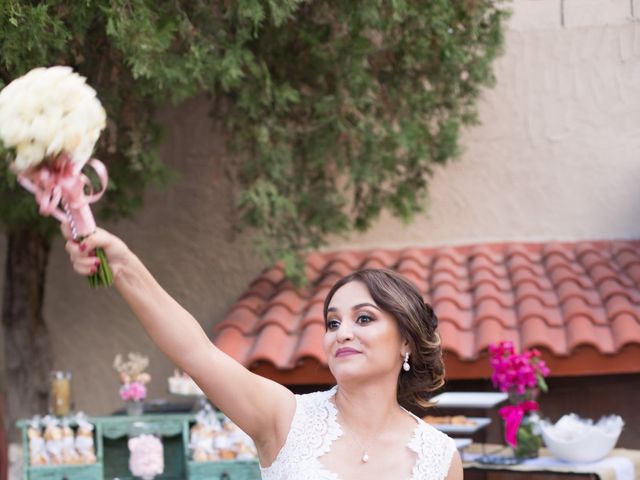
(315,427)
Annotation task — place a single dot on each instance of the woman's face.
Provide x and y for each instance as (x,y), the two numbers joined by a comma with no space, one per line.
(361,340)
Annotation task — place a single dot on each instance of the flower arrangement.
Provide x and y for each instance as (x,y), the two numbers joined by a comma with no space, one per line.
(515,373)
(132,376)
(50,119)
(522,376)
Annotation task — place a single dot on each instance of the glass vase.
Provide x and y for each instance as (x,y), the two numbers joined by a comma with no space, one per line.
(135,408)
(529,439)
(528,435)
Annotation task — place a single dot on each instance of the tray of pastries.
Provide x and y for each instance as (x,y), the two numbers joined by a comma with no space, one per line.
(457,423)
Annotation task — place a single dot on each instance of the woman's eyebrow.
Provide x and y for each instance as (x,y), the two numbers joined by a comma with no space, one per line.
(366,304)
(355,307)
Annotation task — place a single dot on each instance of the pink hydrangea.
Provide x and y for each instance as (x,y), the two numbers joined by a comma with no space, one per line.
(517,372)
(133,391)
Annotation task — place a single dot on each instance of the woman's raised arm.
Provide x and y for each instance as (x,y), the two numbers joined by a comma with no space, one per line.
(260,407)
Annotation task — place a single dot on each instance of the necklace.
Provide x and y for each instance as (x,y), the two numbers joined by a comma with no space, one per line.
(365,453)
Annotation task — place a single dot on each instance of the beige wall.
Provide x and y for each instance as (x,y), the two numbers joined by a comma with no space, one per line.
(557,154)
(556,157)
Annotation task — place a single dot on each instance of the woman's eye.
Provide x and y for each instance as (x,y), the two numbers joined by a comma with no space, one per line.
(332,324)
(364,319)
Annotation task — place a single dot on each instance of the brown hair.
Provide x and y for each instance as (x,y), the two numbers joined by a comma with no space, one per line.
(417,323)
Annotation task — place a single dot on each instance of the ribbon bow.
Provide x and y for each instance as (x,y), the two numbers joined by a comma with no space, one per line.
(512,415)
(62,182)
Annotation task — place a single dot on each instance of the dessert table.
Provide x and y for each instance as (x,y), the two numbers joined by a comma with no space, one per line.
(111,436)
(620,464)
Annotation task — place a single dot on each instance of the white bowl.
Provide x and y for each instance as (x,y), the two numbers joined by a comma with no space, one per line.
(591,444)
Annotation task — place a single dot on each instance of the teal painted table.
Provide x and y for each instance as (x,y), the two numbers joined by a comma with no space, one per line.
(110,437)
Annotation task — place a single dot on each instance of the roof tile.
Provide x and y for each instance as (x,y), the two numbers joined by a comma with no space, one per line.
(448,292)
(311,342)
(525,290)
(491,309)
(625,328)
(582,331)
(557,296)
(450,311)
(273,345)
(532,307)
(536,332)
(487,331)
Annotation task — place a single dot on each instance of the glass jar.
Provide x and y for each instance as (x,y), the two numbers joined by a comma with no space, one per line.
(528,436)
(135,408)
(60,402)
(529,440)
(146,452)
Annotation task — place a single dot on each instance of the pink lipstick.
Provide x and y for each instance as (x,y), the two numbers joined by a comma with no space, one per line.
(346,351)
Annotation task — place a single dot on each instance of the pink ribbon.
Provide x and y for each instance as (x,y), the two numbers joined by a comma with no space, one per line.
(62,182)
(512,415)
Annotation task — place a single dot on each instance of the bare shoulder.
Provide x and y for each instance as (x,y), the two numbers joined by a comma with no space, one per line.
(455,469)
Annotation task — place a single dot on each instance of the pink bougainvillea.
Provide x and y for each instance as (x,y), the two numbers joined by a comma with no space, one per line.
(517,372)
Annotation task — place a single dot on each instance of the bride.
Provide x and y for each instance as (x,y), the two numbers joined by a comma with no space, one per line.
(382,347)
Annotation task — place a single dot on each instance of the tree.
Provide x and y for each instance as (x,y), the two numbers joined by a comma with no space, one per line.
(340,108)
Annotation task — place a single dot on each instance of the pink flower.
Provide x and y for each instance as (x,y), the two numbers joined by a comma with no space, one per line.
(516,373)
(133,391)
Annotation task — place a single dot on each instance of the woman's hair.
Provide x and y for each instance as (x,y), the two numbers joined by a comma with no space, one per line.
(417,324)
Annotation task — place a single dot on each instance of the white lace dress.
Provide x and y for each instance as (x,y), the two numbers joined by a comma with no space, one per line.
(315,427)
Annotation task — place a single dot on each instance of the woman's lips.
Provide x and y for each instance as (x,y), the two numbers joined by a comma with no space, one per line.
(345,352)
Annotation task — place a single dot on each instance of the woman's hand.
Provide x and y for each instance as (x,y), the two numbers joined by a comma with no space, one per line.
(83,256)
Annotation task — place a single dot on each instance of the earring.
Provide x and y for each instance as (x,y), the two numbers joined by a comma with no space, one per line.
(405,366)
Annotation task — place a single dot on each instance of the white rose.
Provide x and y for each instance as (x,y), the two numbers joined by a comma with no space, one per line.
(13,132)
(55,147)
(28,155)
(84,151)
(72,139)
(47,111)
(59,72)
(43,129)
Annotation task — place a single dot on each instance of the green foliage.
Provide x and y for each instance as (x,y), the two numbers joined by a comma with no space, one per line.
(529,442)
(340,108)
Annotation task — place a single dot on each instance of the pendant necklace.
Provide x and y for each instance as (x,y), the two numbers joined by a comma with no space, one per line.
(365,453)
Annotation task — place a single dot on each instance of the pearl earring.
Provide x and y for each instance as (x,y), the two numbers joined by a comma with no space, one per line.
(405,366)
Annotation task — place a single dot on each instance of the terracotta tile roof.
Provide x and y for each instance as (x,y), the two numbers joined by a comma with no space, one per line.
(578,302)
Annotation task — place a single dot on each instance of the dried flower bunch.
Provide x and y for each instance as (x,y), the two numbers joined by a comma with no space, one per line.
(132,368)
(133,376)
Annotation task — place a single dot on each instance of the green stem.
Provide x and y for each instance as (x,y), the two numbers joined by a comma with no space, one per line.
(103,276)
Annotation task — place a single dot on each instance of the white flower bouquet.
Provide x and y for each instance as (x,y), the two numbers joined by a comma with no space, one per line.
(51,119)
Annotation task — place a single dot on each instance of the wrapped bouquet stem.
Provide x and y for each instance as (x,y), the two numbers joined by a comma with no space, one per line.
(63,191)
(51,119)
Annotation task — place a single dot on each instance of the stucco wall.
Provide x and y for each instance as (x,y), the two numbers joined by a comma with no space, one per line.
(557,154)
(556,157)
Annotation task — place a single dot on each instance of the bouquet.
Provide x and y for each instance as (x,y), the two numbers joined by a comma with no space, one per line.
(522,376)
(132,376)
(515,373)
(51,119)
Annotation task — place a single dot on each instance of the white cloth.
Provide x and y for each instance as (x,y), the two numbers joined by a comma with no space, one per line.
(315,427)
(624,468)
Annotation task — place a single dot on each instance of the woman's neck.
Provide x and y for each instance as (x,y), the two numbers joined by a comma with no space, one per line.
(367,409)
